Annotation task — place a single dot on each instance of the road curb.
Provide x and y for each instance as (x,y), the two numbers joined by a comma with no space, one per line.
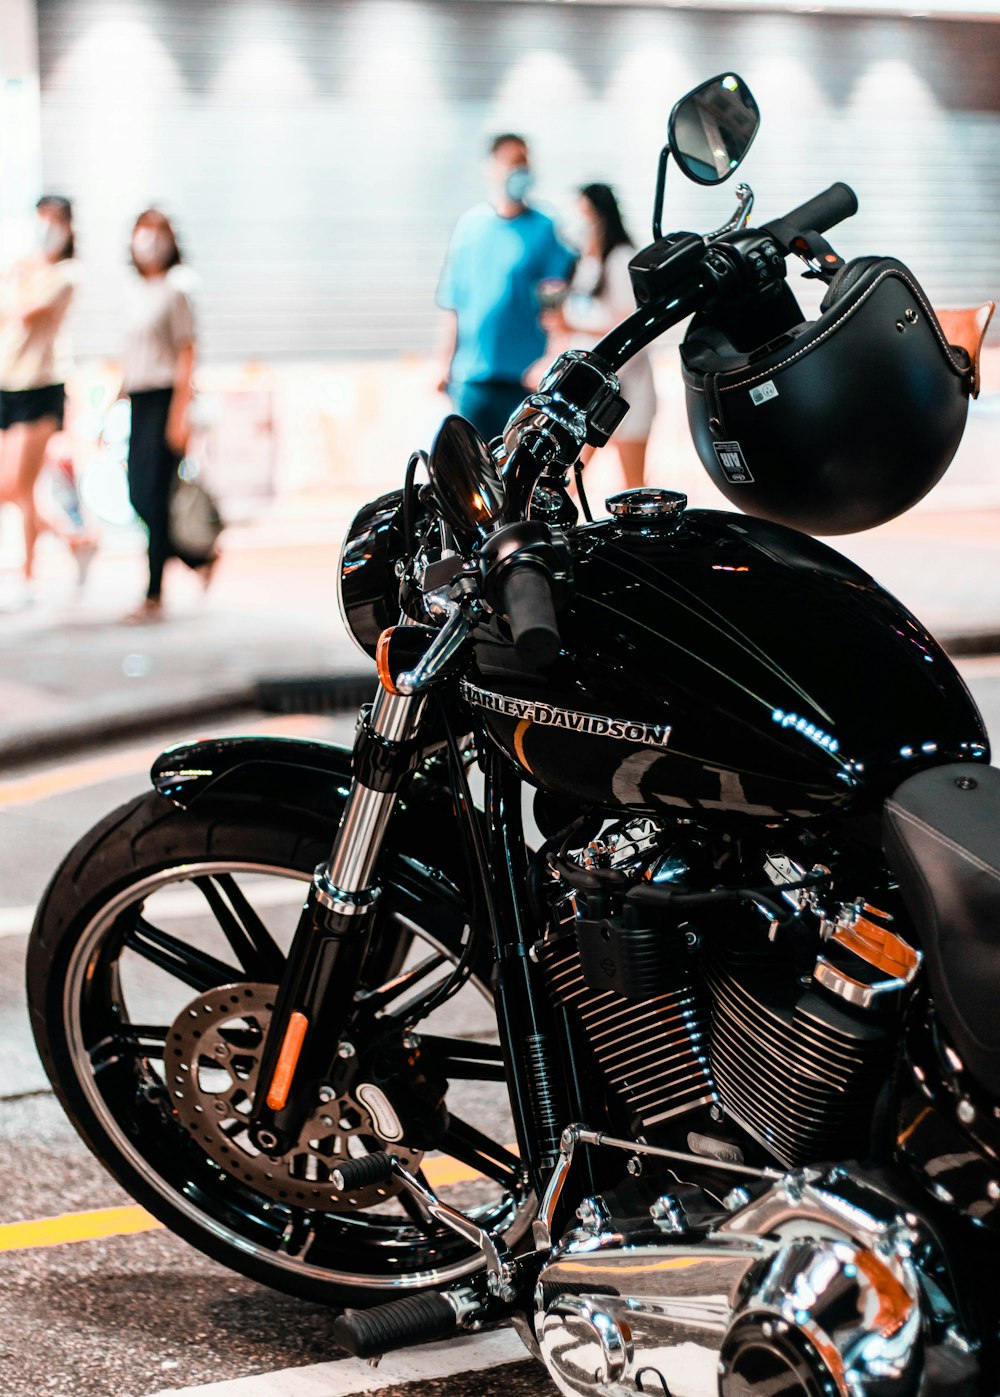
(268,694)
(963,646)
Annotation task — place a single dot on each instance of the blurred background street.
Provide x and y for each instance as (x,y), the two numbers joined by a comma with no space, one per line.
(312,159)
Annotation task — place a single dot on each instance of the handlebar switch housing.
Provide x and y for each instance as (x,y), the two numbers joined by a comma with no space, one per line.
(656,269)
(528,541)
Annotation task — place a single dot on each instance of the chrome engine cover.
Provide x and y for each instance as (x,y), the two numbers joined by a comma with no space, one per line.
(813,1288)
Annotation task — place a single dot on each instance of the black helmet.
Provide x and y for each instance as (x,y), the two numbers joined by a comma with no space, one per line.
(834,424)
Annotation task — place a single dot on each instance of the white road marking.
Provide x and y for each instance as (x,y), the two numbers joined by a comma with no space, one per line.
(348,1376)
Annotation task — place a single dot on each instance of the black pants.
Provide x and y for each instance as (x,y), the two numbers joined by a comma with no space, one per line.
(152,470)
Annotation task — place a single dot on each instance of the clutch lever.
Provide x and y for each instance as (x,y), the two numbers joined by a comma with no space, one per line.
(437,658)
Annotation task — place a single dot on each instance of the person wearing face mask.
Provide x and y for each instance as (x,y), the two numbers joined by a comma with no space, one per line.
(499,254)
(157,369)
(34,299)
(600,297)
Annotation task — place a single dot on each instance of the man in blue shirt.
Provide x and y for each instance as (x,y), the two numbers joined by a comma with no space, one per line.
(500,251)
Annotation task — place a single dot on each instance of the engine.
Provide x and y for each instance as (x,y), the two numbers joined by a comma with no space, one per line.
(752,1028)
(736,1034)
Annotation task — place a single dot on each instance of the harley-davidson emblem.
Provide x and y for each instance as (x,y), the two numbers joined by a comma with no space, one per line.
(547,715)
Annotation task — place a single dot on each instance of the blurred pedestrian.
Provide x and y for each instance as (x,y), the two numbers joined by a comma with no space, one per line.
(499,254)
(600,297)
(35,296)
(157,370)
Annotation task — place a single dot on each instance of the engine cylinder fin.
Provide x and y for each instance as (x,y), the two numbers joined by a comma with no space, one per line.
(654,1052)
(800,1076)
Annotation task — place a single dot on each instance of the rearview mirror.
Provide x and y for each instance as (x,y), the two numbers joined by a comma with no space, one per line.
(712,128)
(465,477)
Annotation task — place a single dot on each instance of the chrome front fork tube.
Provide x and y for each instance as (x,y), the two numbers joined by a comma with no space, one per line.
(392,726)
(314,1003)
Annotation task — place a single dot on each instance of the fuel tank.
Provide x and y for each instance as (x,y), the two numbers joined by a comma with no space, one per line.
(721,665)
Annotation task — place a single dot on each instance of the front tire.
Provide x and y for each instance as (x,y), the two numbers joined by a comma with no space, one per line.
(137,923)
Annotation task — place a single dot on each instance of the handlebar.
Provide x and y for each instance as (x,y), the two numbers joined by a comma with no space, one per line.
(816,215)
(530,610)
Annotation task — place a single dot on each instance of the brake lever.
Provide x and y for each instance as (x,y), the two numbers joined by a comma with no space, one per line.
(740,219)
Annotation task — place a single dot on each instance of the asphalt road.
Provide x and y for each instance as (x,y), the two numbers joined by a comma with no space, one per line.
(142,1313)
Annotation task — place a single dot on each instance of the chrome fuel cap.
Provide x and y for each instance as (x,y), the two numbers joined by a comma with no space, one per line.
(648,507)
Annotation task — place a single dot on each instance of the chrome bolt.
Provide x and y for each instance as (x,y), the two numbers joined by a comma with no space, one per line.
(326,1094)
(327,1121)
(900,326)
(634,1166)
(410,1041)
(966,783)
(221,1050)
(347,1050)
(911,316)
(993,1190)
(737,1197)
(716,1111)
(767,1329)
(266,1139)
(668,1211)
(966,1112)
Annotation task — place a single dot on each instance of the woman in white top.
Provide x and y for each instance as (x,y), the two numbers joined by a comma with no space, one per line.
(600,297)
(157,368)
(34,298)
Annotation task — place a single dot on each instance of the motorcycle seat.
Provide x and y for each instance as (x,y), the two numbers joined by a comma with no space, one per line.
(941,832)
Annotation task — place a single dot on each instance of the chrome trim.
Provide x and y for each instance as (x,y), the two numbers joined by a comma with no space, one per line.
(597,1137)
(648,502)
(344,904)
(823,1266)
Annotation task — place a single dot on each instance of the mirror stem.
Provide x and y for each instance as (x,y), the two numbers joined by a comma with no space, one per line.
(661,182)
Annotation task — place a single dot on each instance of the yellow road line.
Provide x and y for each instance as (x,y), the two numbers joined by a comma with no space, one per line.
(120,1222)
(75,1227)
(91,771)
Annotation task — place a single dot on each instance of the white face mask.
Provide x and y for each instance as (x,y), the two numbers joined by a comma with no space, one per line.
(151,247)
(50,238)
(578,230)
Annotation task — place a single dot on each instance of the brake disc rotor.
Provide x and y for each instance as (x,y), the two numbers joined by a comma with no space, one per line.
(212,1059)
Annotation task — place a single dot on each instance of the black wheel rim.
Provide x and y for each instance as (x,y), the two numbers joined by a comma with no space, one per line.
(116,1045)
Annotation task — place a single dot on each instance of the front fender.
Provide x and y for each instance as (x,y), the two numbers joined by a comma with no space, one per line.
(312,777)
(310,781)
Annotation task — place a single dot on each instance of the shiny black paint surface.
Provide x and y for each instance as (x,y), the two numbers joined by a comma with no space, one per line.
(792,683)
(368,591)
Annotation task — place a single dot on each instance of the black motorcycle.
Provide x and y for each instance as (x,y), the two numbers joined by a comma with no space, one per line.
(697,1084)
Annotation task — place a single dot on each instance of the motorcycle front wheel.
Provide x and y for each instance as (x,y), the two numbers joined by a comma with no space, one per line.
(151,971)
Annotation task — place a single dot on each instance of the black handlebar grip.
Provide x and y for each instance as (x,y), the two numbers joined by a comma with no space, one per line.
(528,606)
(367,1169)
(815,215)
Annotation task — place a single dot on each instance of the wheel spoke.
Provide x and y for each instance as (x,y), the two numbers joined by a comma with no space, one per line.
(392,989)
(129,1041)
(196,968)
(470,1146)
(256,949)
(465,1059)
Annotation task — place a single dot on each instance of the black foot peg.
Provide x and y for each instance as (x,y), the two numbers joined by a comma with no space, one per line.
(367,1169)
(413,1320)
